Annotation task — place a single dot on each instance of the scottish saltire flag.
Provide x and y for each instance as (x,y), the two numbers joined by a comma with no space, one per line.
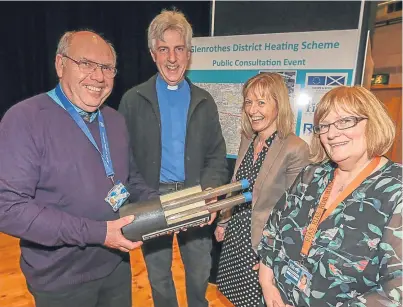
(316,80)
(326,80)
(335,80)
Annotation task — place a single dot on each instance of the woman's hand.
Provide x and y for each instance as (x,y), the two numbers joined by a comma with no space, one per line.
(219,233)
(271,294)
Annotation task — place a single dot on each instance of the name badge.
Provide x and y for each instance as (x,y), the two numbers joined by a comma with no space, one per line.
(299,276)
(117,196)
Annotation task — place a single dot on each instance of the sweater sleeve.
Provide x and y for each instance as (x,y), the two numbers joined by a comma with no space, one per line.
(21,215)
(387,288)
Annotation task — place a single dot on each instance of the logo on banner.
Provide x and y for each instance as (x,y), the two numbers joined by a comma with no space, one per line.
(310,108)
(326,80)
(308,128)
(316,80)
(335,80)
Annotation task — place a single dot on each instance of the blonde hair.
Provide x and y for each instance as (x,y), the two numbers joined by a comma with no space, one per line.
(380,129)
(169,20)
(269,85)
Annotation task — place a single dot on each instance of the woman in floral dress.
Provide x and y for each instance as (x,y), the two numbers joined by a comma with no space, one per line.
(354,256)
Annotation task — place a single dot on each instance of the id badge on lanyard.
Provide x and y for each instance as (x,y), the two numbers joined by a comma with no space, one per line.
(118,194)
(299,276)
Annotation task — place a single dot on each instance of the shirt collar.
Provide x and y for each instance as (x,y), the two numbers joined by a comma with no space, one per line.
(166,86)
(269,140)
(86,115)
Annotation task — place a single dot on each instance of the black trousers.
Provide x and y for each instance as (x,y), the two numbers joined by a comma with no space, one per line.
(195,247)
(110,291)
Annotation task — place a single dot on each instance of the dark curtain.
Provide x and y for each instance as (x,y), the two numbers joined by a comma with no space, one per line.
(30,32)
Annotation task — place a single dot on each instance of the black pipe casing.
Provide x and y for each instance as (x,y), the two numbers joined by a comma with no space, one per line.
(149,218)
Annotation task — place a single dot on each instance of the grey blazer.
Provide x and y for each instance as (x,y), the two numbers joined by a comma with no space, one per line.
(284,160)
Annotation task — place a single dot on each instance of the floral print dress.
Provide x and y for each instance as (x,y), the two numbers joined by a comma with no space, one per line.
(356,255)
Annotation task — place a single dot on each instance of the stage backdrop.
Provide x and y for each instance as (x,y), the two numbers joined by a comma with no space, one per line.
(310,62)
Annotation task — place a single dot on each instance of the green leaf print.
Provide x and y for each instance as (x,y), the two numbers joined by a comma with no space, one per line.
(293,213)
(317,294)
(335,244)
(386,247)
(322,270)
(383,182)
(349,217)
(335,283)
(288,240)
(393,187)
(398,233)
(343,295)
(286,227)
(341,232)
(312,252)
(337,219)
(375,229)
(369,282)
(398,209)
(395,195)
(308,198)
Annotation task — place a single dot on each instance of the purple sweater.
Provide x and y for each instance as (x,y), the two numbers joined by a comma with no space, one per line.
(52,190)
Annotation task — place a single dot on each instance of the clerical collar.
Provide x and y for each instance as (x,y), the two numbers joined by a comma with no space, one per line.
(161,81)
(172,87)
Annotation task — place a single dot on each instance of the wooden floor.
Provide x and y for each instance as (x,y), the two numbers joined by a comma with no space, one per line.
(13,291)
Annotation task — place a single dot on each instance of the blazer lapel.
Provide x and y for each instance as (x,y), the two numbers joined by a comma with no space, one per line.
(268,162)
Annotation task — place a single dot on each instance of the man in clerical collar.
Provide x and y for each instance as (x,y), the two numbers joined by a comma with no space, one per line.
(176,142)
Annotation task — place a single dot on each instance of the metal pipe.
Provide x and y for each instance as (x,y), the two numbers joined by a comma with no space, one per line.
(206,194)
(219,205)
(230,202)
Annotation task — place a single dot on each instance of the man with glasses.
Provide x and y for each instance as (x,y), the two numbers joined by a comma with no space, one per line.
(63,157)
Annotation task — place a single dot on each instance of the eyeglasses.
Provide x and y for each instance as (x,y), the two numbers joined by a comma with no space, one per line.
(88,67)
(341,124)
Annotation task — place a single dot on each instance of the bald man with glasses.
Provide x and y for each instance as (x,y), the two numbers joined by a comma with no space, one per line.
(64,156)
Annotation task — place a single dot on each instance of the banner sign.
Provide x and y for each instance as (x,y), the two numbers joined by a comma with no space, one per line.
(310,62)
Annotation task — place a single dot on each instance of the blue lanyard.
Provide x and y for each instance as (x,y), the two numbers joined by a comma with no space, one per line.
(105,154)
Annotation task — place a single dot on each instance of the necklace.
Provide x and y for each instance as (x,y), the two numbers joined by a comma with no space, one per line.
(258,148)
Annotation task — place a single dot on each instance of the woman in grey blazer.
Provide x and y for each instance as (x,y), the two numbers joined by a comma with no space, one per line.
(270,156)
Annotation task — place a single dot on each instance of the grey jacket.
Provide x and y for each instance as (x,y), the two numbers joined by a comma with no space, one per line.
(284,160)
(205,150)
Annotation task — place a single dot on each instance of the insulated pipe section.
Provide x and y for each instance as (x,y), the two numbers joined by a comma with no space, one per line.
(149,216)
(219,205)
(206,194)
(154,218)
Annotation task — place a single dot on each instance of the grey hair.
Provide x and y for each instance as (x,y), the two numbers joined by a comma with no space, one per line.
(65,42)
(169,20)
